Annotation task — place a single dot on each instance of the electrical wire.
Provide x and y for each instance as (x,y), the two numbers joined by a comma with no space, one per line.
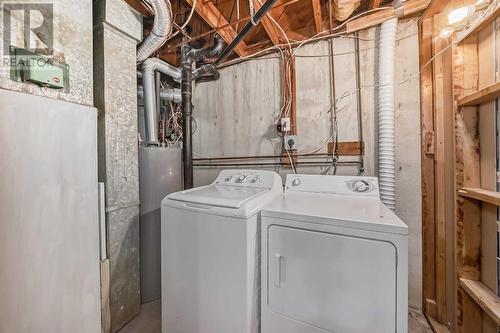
(317,37)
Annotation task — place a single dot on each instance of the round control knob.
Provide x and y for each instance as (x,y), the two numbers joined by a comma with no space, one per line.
(296,182)
(256,179)
(361,186)
(242,178)
(228,178)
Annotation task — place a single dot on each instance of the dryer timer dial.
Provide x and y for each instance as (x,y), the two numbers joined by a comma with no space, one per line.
(361,186)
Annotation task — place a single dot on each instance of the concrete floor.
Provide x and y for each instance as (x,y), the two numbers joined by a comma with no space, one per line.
(149,321)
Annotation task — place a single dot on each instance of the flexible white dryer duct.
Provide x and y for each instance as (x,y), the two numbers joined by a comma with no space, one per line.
(386,117)
(162,29)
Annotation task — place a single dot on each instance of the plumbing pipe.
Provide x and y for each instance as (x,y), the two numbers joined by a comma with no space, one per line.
(149,68)
(187,113)
(246,29)
(269,164)
(386,117)
(162,29)
(206,73)
(166,94)
(189,56)
(359,103)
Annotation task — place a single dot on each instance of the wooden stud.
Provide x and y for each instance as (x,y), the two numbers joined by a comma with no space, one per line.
(212,15)
(467,174)
(441,96)
(318,16)
(428,194)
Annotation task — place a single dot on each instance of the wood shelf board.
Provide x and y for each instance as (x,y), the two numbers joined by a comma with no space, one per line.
(481,195)
(484,297)
(482,96)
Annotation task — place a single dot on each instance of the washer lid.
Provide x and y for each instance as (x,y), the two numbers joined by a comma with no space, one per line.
(219,195)
(349,211)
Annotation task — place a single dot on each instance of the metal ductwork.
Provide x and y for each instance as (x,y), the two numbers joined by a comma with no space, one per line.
(149,68)
(162,29)
(166,94)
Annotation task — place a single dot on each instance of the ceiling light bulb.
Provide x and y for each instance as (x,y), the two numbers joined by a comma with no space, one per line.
(459,16)
(446,32)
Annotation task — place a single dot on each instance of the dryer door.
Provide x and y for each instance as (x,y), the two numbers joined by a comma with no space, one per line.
(334,282)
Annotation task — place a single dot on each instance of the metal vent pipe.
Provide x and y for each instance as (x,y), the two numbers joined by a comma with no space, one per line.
(166,94)
(149,67)
(162,29)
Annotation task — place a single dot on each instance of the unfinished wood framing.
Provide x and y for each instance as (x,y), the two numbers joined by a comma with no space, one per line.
(318,17)
(491,197)
(428,151)
(469,300)
(482,96)
(408,8)
(483,296)
(213,16)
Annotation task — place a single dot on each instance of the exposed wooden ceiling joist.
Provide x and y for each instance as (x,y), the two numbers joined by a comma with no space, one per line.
(318,17)
(409,8)
(375,4)
(268,25)
(212,15)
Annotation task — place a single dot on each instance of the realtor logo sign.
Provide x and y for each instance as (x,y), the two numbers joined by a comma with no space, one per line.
(29,25)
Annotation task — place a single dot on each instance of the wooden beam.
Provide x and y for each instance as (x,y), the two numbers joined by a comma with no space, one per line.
(409,8)
(212,15)
(428,169)
(318,16)
(268,24)
(467,174)
(375,4)
(482,96)
(484,297)
(353,148)
(481,195)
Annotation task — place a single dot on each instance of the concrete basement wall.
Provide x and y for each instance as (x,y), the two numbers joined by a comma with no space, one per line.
(235,117)
(72,43)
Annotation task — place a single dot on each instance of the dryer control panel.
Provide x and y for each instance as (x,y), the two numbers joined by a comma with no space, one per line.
(248,178)
(340,185)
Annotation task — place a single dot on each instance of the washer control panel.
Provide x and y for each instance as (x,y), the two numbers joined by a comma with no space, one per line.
(249,178)
(340,185)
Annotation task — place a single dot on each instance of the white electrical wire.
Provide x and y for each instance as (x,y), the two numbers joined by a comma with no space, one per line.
(348,93)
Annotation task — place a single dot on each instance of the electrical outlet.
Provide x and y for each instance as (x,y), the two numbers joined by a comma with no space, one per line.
(291,142)
(286,125)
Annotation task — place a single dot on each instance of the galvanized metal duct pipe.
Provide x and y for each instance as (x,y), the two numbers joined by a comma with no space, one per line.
(166,94)
(386,118)
(149,68)
(162,29)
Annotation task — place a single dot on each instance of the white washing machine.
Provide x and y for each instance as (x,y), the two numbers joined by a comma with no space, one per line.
(210,253)
(334,259)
